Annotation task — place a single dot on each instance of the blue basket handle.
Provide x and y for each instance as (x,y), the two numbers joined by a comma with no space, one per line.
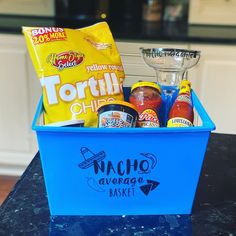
(206,120)
(39,111)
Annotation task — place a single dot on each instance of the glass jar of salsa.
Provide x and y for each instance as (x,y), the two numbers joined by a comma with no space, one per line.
(146,96)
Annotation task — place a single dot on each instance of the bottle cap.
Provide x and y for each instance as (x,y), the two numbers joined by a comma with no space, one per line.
(185,86)
(146,84)
(185,82)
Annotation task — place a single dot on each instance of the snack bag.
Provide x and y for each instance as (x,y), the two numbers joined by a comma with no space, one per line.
(79,69)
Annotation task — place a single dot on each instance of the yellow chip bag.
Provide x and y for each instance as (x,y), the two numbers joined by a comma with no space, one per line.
(78,70)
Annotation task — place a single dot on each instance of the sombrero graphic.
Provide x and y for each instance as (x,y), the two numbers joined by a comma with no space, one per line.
(90,157)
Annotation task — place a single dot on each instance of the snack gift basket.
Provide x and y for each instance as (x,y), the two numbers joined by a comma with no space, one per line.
(128,171)
(111,171)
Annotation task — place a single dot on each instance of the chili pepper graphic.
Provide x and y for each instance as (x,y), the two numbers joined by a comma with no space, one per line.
(94,185)
(152,157)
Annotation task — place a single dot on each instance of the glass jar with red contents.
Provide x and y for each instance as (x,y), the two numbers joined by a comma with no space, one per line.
(146,96)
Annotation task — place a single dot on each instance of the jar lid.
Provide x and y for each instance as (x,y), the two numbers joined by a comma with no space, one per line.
(118,102)
(147,84)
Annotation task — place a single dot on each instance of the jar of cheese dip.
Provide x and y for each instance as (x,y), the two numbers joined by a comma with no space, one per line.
(117,114)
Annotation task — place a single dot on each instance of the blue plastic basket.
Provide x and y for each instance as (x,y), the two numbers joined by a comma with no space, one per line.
(128,171)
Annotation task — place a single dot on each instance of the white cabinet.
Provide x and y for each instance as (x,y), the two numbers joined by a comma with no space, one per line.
(19,92)
(134,66)
(215,81)
(208,12)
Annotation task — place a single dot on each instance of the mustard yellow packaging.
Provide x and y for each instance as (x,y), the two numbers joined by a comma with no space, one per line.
(79,69)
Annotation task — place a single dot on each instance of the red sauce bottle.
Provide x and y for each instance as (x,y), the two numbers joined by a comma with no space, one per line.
(181,113)
(146,96)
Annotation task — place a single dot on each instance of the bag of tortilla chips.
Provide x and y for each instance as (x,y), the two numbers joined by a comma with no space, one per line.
(78,70)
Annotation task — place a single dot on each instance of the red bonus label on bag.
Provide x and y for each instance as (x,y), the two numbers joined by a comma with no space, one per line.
(47,34)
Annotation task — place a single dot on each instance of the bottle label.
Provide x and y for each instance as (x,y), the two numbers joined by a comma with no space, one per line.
(116,119)
(184,98)
(179,122)
(148,118)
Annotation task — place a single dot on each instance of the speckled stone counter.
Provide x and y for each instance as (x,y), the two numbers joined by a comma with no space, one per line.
(25,211)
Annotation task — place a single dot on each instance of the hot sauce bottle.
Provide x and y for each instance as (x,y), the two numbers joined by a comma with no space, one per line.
(181,113)
(146,97)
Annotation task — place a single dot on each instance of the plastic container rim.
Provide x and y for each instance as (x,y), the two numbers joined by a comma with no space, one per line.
(207,124)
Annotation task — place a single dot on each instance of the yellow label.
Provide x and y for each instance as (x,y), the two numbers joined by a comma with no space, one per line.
(148,118)
(179,122)
(78,70)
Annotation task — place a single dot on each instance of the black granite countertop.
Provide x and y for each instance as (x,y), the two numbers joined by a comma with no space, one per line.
(25,211)
(132,30)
